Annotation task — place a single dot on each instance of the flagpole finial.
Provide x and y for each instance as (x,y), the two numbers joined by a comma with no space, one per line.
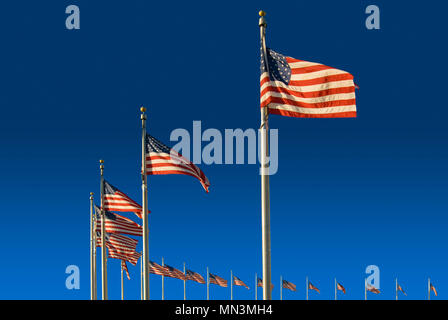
(91,194)
(261,13)
(262,20)
(143,109)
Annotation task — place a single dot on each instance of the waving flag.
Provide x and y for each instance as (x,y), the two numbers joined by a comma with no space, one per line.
(297,88)
(161,159)
(194,276)
(311,287)
(217,280)
(433,289)
(288,285)
(156,268)
(340,287)
(115,200)
(260,283)
(174,273)
(373,289)
(238,282)
(115,223)
(130,257)
(125,268)
(399,288)
(118,242)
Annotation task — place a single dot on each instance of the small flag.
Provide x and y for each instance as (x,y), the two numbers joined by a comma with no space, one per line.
(373,289)
(217,280)
(161,159)
(115,200)
(174,273)
(297,88)
(340,287)
(115,223)
(194,276)
(157,269)
(399,288)
(432,288)
(260,283)
(238,282)
(312,287)
(288,285)
(125,268)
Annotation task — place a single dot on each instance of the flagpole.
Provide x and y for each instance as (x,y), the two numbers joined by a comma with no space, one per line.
(163,282)
(281,288)
(122,284)
(92,251)
(256,286)
(265,206)
(141,277)
(365,289)
(335,289)
(231,285)
(103,241)
(185,283)
(307,288)
(144,210)
(396,288)
(208,285)
(429,288)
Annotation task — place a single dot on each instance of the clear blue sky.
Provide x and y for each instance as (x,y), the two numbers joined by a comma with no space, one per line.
(348,193)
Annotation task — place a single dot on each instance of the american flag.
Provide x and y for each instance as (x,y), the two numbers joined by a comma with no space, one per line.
(161,159)
(191,275)
(217,280)
(372,289)
(433,289)
(399,288)
(288,285)
(125,268)
(312,287)
(131,257)
(174,273)
(238,282)
(115,200)
(340,287)
(260,283)
(297,88)
(115,223)
(118,242)
(156,268)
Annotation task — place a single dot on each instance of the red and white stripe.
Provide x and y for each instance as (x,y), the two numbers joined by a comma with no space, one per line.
(194,276)
(117,254)
(120,225)
(312,287)
(155,268)
(214,279)
(373,289)
(174,273)
(238,282)
(119,242)
(125,268)
(314,91)
(289,285)
(340,287)
(122,203)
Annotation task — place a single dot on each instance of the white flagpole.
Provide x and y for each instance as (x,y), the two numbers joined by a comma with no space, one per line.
(185,283)
(208,285)
(256,286)
(429,288)
(144,210)
(122,284)
(103,240)
(365,289)
(335,289)
(92,251)
(281,288)
(396,288)
(265,206)
(306,288)
(231,285)
(163,282)
(141,277)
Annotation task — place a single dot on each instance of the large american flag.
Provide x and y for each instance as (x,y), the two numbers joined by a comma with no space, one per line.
(238,282)
(297,88)
(174,273)
(115,223)
(161,159)
(194,276)
(115,200)
(288,285)
(217,280)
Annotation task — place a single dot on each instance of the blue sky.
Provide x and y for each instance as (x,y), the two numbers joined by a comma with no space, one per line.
(349,192)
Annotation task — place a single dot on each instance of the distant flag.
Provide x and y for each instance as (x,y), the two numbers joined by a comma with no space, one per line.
(238,282)
(260,283)
(288,285)
(174,273)
(194,276)
(433,289)
(125,268)
(155,268)
(372,289)
(115,200)
(340,287)
(312,287)
(399,288)
(115,223)
(161,159)
(217,280)
(297,88)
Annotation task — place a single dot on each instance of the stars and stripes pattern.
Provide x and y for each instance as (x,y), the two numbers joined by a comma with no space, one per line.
(118,242)
(433,289)
(125,268)
(214,279)
(289,285)
(156,268)
(115,200)
(238,282)
(340,287)
(161,159)
(260,283)
(372,289)
(194,276)
(115,223)
(174,273)
(297,88)
(117,254)
(312,287)
(399,288)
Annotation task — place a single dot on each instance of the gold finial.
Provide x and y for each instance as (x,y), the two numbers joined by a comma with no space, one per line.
(143,109)
(101,161)
(91,193)
(261,13)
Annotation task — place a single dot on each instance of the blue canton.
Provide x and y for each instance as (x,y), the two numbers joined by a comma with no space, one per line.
(279,68)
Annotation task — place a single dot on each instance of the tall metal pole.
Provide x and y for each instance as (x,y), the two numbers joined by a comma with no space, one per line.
(396,289)
(429,288)
(208,285)
(185,283)
(265,206)
(281,288)
(365,289)
(145,210)
(231,285)
(307,288)
(141,277)
(92,251)
(163,281)
(103,236)
(335,289)
(256,286)
(122,284)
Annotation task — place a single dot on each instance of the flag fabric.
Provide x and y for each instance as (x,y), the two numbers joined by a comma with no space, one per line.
(115,200)
(432,288)
(340,287)
(115,223)
(238,282)
(174,273)
(125,268)
(373,289)
(161,159)
(312,287)
(130,257)
(288,285)
(118,242)
(260,283)
(399,288)
(297,88)
(156,268)
(217,280)
(194,276)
